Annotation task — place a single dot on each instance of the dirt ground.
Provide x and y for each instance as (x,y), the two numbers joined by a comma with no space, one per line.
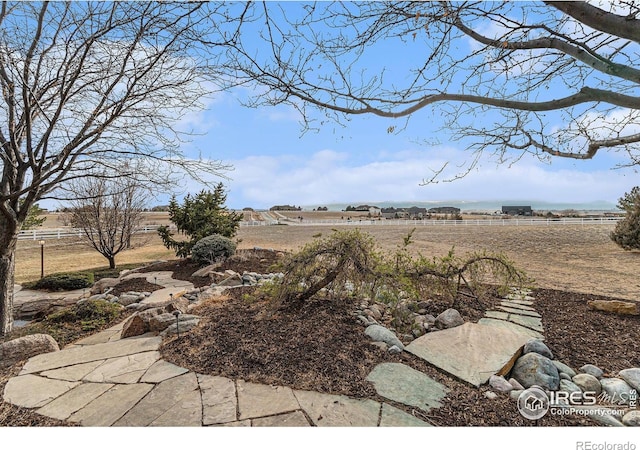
(564,257)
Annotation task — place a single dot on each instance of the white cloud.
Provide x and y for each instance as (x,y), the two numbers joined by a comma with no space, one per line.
(331,177)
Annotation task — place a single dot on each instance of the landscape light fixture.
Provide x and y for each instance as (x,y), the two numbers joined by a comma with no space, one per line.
(41,259)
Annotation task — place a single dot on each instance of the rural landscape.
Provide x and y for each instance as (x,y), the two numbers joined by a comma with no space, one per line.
(156,271)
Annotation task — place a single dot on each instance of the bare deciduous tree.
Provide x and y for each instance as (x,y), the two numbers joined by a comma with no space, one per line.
(560,79)
(87,86)
(108,211)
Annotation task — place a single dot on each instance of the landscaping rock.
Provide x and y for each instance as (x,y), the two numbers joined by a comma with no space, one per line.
(103,284)
(632,377)
(617,391)
(537,346)
(535,369)
(231,281)
(516,384)
(382,334)
(184,326)
(499,384)
(563,368)
(587,382)
(449,319)
(394,350)
(632,418)
(161,322)
(569,386)
(134,326)
(564,376)
(206,271)
(25,347)
(490,395)
(614,306)
(128,299)
(592,370)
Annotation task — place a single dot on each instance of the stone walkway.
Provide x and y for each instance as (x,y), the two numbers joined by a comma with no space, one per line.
(104,380)
(107,381)
(473,352)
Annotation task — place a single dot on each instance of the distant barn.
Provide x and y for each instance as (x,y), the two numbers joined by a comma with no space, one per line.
(517,210)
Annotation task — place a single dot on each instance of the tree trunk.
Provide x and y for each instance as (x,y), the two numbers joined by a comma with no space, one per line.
(112,262)
(8,241)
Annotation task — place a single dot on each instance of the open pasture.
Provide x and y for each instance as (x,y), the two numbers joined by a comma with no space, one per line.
(579,258)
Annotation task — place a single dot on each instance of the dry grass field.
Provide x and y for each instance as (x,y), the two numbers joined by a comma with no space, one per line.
(566,257)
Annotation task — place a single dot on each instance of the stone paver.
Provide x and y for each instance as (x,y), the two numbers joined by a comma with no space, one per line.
(125,369)
(521,312)
(326,410)
(529,322)
(515,305)
(472,352)
(74,400)
(32,391)
(78,355)
(292,419)
(73,373)
(166,396)
(511,327)
(257,400)
(408,386)
(394,417)
(219,402)
(105,410)
(164,295)
(161,371)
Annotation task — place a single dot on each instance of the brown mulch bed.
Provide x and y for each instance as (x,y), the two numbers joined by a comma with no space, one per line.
(135,285)
(579,336)
(322,348)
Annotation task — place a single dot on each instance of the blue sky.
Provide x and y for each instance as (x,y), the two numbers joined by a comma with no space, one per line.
(275,163)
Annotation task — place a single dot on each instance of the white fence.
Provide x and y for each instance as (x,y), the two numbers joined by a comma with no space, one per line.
(435,222)
(59,233)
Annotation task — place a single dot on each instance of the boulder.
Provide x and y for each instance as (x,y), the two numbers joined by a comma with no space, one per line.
(537,346)
(615,391)
(535,369)
(103,284)
(382,334)
(448,319)
(632,377)
(516,384)
(207,270)
(498,383)
(563,368)
(39,309)
(231,281)
(134,326)
(25,347)
(587,382)
(569,386)
(161,322)
(185,326)
(128,299)
(632,418)
(614,306)
(592,370)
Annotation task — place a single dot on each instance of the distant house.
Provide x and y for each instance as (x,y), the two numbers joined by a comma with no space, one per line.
(444,210)
(413,212)
(285,208)
(517,210)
